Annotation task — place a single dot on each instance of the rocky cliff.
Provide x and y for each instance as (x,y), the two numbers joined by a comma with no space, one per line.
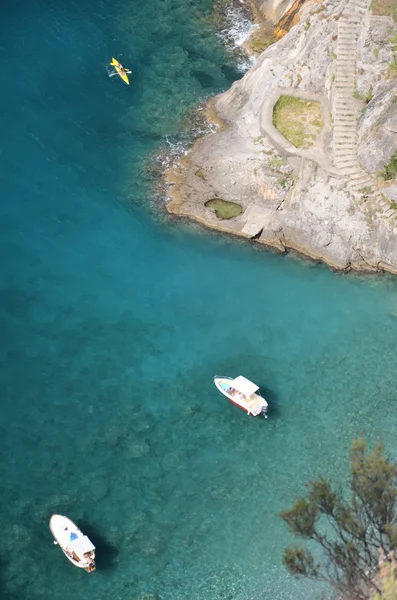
(324,198)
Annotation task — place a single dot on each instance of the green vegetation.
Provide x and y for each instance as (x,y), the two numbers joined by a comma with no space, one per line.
(393,68)
(261,38)
(298,120)
(376,53)
(359,525)
(393,65)
(364,96)
(390,171)
(284,182)
(277,163)
(365,191)
(200,174)
(223,208)
(386,8)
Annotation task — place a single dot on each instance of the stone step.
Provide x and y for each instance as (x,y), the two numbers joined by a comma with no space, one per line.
(345,126)
(345,136)
(352,172)
(345,142)
(340,149)
(344,55)
(357,9)
(342,166)
(353,17)
(342,133)
(346,164)
(358,186)
(340,141)
(345,78)
(344,97)
(360,175)
(354,11)
(346,160)
(347,157)
(348,46)
(389,213)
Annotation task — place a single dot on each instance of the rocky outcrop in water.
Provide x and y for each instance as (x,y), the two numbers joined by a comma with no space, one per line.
(326,201)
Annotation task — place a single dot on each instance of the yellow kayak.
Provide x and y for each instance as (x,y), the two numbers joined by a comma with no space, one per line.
(120,70)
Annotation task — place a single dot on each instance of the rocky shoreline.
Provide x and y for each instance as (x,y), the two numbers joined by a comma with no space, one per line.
(326,201)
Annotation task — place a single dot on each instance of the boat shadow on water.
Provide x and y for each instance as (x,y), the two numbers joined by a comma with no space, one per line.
(105,554)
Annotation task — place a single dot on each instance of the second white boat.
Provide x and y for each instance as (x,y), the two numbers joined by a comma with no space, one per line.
(243,393)
(76,546)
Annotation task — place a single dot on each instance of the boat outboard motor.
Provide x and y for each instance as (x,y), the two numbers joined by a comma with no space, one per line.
(264,411)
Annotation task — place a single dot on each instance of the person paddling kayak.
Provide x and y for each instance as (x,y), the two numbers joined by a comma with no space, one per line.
(120,70)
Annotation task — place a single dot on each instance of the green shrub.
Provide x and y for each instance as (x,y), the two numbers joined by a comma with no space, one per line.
(390,171)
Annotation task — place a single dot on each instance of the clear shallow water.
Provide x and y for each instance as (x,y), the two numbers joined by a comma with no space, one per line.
(114,324)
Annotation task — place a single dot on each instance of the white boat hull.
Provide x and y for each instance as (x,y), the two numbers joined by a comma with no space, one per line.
(66,533)
(253,405)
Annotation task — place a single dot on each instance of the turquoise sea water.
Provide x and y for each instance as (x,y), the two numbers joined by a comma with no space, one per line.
(113,325)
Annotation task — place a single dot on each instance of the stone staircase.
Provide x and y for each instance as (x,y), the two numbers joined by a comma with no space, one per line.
(360,184)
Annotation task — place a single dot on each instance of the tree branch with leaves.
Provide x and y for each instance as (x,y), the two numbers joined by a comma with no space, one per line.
(349,532)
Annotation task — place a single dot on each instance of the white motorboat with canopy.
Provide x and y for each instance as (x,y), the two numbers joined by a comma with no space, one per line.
(243,393)
(76,546)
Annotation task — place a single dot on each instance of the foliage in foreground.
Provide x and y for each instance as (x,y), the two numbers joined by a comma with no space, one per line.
(349,532)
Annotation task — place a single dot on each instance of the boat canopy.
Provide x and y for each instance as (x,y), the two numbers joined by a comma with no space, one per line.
(81,545)
(243,385)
